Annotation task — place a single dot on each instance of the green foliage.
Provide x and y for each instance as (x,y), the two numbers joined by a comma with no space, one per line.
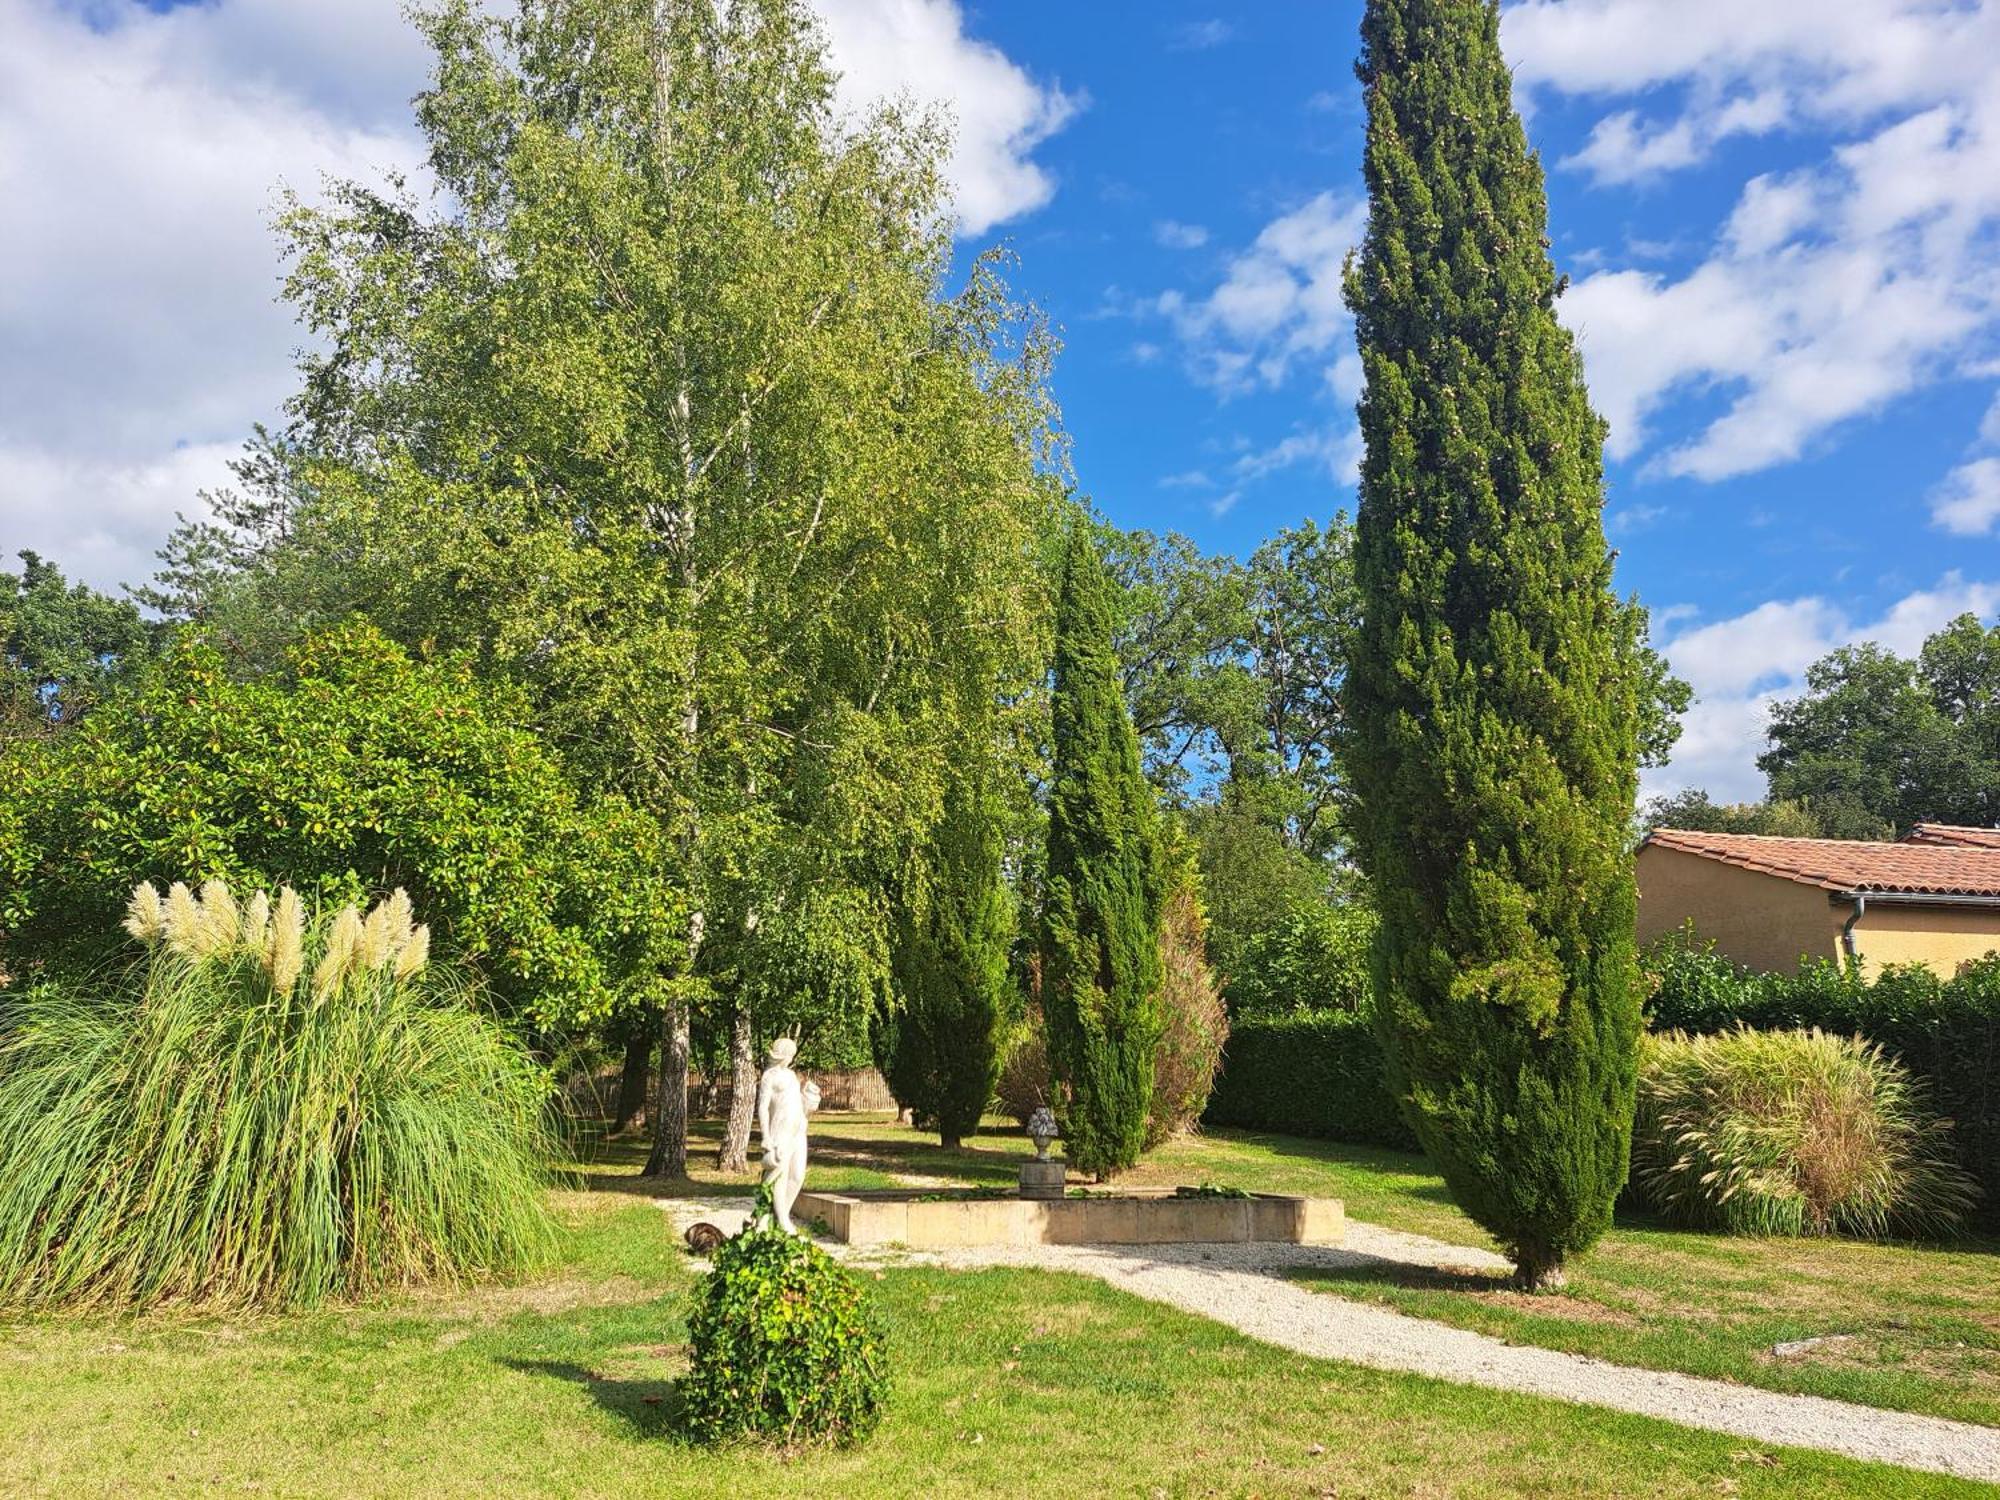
(1025,1080)
(1309,1073)
(784,1346)
(353,769)
(1497,686)
(1213,1190)
(267,1113)
(1100,953)
(1946,1032)
(1878,741)
(1790,1132)
(1693,811)
(952,975)
(62,646)
(1316,957)
(664,411)
(1251,878)
(1193,1023)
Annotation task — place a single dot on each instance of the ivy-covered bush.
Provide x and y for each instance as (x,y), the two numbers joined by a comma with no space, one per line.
(1317,1073)
(1790,1132)
(785,1346)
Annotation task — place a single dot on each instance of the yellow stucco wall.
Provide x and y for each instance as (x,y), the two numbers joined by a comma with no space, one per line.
(1769,923)
(1755,919)
(1942,936)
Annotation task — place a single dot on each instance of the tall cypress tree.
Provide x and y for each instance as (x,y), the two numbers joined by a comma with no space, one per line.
(950,964)
(1493,687)
(1101,921)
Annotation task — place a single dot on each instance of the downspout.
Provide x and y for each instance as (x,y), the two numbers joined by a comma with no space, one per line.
(1847,943)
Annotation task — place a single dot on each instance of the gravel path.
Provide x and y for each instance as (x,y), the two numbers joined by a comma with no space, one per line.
(1238,1285)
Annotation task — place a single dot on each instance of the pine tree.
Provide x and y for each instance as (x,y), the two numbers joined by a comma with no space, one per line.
(951,969)
(1101,922)
(1493,688)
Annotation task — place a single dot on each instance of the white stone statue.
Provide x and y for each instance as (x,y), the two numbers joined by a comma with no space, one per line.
(782,1107)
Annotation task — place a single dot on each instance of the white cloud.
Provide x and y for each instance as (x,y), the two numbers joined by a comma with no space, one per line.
(1278,302)
(1630,518)
(1178,236)
(1968,502)
(140,157)
(1742,665)
(1624,148)
(1199,36)
(1832,289)
(887,47)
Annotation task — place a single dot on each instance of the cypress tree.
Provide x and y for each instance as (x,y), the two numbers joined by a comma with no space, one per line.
(950,965)
(1101,922)
(1492,689)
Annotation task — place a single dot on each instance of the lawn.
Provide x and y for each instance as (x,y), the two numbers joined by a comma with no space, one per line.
(1912,1327)
(1008,1383)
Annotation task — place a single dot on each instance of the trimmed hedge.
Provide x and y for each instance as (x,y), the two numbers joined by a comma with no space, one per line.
(1946,1032)
(1316,1073)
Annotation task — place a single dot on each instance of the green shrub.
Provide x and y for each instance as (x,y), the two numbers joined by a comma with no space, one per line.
(266,1113)
(785,1347)
(1024,1074)
(1790,1132)
(1317,1074)
(1946,1032)
(352,770)
(1315,958)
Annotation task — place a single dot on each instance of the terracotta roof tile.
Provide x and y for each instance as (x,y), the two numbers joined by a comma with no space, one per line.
(1953,834)
(1917,868)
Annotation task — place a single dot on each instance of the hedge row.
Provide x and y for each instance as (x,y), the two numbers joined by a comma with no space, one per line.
(1318,1073)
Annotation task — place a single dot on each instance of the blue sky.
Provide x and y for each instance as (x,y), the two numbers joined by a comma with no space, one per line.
(1782,223)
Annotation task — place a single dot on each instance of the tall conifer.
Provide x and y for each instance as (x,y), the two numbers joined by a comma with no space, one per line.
(1492,690)
(951,968)
(1101,932)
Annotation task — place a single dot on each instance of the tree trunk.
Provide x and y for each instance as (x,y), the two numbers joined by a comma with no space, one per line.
(735,1155)
(670,1096)
(631,1111)
(1538,1269)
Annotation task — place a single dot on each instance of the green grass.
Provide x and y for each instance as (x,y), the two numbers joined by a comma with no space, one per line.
(1921,1324)
(1008,1383)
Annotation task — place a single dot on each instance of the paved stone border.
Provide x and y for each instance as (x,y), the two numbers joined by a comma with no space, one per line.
(1237,1285)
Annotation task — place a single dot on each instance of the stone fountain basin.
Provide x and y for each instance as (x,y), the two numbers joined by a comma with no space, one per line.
(1137,1216)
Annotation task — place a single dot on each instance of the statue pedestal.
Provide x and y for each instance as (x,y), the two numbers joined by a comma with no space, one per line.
(1043,1179)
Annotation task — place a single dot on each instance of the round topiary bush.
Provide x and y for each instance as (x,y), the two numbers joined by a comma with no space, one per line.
(1790,1132)
(785,1347)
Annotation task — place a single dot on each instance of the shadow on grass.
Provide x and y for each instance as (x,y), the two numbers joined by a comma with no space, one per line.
(651,1407)
(1410,1278)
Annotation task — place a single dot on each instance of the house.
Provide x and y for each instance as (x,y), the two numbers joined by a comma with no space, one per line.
(1931,898)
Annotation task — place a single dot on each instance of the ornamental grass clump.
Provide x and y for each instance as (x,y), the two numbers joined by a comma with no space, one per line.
(269,1112)
(785,1348)
(1791,1133)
